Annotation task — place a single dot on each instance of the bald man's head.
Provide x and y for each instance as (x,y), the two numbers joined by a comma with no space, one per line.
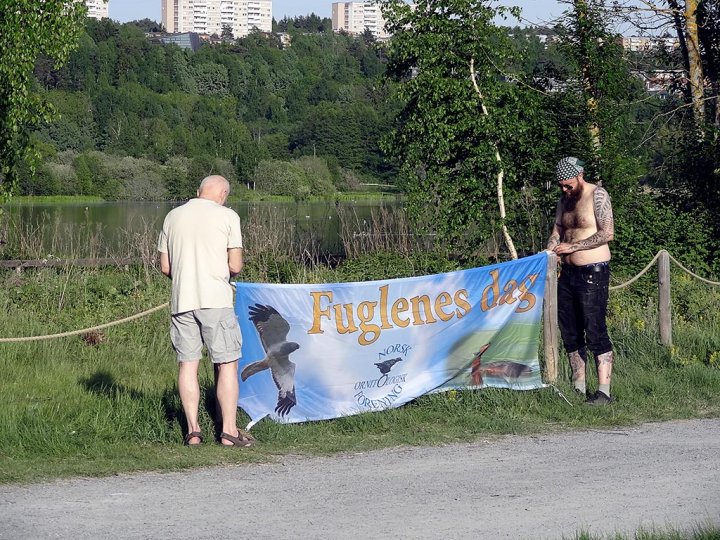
(214,188)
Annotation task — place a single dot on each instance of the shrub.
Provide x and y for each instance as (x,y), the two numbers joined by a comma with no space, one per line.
(63,177)
(384,265)
(176,178)
(648,224)
(282,178)
(317,170)
(140,179)
(91,173)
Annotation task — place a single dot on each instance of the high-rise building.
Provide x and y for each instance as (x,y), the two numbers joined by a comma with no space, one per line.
(356,17)
(211,16)
(97,9)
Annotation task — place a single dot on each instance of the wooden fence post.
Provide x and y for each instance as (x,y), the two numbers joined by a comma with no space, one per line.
(550,318)
(664,314)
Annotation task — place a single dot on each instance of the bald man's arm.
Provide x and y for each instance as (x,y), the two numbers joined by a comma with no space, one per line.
(235,261)
(165,264)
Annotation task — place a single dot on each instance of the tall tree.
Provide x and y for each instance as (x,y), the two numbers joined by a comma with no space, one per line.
(586,41)
(604,75)
(29,28)
(448,56)
(697,26)
(689,170)
(708,16)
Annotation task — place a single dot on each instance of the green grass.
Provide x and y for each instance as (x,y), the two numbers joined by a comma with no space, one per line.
(68,408)
(698,532)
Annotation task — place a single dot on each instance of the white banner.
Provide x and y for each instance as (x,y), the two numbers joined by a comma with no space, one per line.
(314,352)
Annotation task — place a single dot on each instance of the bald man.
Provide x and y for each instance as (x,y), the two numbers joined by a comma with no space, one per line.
(200,250)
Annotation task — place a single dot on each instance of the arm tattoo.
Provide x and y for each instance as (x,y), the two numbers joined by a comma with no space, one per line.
(603,209)
(553,241)
(604,220)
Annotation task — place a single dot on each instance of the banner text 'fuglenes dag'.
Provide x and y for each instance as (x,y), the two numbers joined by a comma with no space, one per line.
(418,309)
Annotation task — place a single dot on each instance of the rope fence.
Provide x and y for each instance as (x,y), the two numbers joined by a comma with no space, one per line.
(550,313)
(693,274)
(654,260)
(549,303)
(84,330)
(639,275)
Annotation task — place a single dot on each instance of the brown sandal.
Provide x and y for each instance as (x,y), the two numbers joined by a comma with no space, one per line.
(193,435)
(243,439)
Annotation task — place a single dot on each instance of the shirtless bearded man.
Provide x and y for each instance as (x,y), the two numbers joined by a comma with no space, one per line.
(583,227)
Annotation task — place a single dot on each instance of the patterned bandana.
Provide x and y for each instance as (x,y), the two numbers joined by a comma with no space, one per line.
(568,167)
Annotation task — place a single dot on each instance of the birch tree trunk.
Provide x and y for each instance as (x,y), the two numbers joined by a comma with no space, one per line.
(686,19)
(501,172)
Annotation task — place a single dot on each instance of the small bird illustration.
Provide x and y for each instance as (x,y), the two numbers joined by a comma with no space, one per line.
(273,330)
(387,365)
(475,374)
(505,369)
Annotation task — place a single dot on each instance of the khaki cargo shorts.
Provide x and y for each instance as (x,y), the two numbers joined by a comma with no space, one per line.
(216,328)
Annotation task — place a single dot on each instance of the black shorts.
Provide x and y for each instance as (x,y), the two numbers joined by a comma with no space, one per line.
(582,307)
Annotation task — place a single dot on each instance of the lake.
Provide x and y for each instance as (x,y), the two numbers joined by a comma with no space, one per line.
(51,226)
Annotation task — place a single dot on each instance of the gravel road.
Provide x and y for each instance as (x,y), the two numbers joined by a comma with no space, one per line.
(545,486)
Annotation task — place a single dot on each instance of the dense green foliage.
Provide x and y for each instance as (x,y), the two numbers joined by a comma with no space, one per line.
(443,142)
(576,94)
(27,29)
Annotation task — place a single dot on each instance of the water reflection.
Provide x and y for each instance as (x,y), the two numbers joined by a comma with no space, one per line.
(113,224)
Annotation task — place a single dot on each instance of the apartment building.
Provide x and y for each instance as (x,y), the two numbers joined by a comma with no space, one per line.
(355,17)
(211,16)
(640,44)
(97,9)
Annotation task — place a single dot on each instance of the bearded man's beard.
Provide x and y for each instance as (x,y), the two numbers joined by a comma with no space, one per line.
(572,197)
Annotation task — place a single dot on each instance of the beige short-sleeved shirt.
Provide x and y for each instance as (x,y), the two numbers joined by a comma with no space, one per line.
(196,237)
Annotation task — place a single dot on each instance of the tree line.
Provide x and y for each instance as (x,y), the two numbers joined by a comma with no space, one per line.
(138,119)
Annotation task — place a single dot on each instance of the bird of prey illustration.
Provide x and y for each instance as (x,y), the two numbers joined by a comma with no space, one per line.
(387,365)
(273,330)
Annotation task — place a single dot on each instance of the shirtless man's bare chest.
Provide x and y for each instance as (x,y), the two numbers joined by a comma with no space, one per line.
(584,224)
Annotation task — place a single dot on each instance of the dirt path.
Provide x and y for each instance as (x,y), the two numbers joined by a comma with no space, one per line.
(546,486)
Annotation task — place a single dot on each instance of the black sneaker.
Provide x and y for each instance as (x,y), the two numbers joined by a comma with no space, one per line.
(599,398)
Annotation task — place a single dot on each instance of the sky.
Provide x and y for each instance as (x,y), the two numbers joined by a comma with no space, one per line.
(535,12)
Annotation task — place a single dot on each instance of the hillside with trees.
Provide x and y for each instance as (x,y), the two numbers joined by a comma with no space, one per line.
(144,120)
(465,117)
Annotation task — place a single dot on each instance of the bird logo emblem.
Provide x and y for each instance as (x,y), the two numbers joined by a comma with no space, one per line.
(387,365)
